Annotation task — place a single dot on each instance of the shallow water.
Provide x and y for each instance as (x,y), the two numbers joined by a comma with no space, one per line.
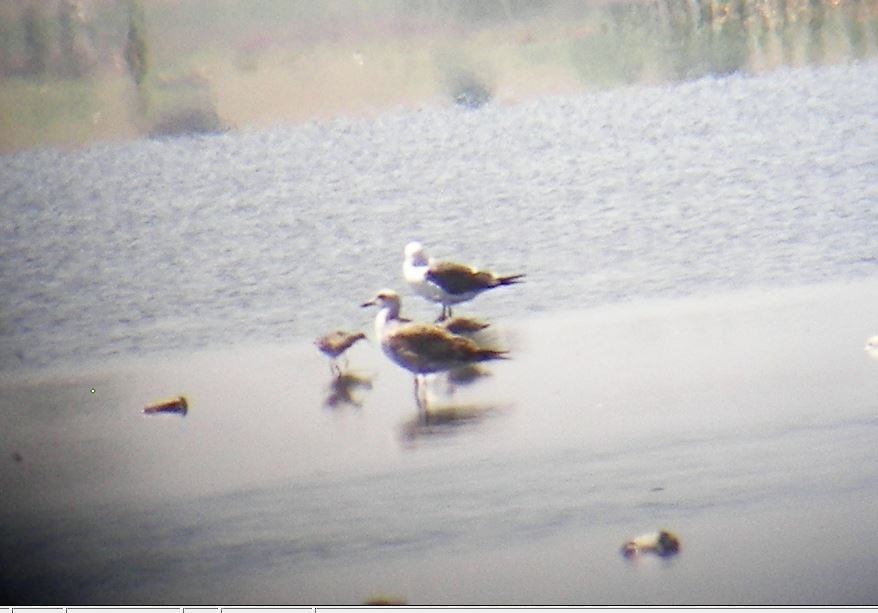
(688,353)
(745,422)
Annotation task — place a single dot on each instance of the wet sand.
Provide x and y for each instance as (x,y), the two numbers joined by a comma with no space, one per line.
(745,422)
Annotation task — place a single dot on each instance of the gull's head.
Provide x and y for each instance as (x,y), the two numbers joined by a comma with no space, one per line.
(414,253)
(386,298)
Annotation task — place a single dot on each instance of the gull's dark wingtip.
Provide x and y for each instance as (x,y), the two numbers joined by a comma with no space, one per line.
(512,279)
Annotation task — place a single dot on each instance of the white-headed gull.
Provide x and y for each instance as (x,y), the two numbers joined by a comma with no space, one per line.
(447,282)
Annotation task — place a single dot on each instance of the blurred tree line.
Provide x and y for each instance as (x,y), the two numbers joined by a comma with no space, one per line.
(608,40)
(40,38)
(72,38)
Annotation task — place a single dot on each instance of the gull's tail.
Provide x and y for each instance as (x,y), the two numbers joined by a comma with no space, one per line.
(484,355)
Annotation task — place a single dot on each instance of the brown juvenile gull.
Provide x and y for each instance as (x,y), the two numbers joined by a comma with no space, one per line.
(336,343)
(422,348)
(464,325)
(448,282)
(471,328)
(459,324)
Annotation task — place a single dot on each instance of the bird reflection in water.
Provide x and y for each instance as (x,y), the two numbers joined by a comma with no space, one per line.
(344,388)
(445,420)
(465,375)
(442,415)
(345,384)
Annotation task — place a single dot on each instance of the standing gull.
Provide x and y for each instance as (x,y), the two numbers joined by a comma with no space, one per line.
(336,343)
(448,282)
(422,348)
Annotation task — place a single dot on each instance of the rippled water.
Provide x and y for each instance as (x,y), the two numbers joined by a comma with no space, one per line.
(702,273)
(686,188)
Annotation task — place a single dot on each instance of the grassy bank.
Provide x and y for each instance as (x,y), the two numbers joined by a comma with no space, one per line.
(235,64)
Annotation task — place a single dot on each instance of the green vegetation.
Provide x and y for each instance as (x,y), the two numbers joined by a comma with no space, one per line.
(74,71)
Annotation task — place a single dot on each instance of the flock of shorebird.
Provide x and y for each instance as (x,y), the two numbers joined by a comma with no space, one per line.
(425,348)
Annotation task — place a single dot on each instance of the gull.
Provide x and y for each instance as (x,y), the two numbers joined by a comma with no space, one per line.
(336,343)
(422,348)
(471,328)
(464,326)
(448,282)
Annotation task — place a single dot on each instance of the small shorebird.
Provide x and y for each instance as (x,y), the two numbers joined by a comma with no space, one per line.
(422,348)
(464,326)
(448,282)
(336,343)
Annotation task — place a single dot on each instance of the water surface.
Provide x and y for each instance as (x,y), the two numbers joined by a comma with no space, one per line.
(637,192)
(688,353)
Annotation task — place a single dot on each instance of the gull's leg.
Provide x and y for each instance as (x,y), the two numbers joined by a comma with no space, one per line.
(421,393)
(418,392)
(450,387)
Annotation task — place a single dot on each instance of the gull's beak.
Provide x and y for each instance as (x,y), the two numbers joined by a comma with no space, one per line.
(372,302)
